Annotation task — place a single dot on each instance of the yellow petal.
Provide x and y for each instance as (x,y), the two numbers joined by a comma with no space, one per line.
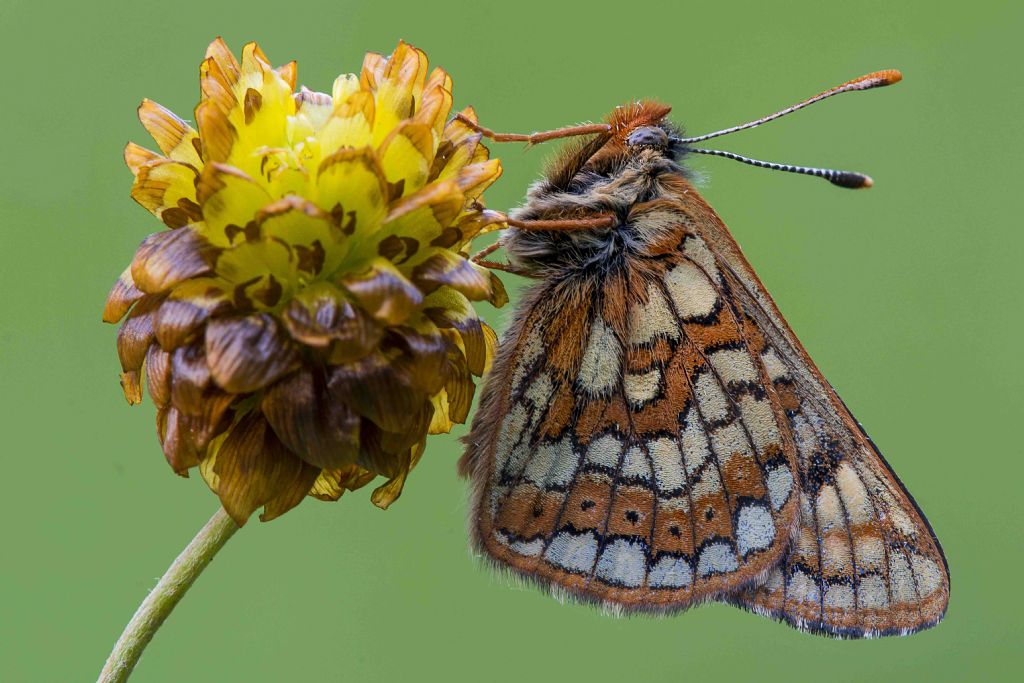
(406,155)
(167,188)
(350,186)
(174,137)
(229,200)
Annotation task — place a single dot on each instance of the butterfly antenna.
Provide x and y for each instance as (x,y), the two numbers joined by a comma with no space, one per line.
(848,179)
(876,79)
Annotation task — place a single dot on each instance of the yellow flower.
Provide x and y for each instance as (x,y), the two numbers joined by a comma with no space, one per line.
(305,320)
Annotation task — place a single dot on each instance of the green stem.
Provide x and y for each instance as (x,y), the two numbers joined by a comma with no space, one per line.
(178,578)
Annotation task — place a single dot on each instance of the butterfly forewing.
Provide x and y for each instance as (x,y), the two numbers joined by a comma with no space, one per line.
(864,560)
(629,447)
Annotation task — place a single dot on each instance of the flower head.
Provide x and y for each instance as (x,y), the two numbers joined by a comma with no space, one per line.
(304,320)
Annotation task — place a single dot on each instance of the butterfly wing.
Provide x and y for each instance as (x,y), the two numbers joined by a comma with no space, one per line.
(629,449)
(864,561)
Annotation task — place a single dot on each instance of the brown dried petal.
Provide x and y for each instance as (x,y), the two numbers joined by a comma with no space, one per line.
(158,375)
(136,334)
(321,431)
(459,388)
(417,425)
(122,295)
(189,306)
(319,315)
(384,292)
(378,388)
(448,268)
(190,377)
(254,468)
(248,353)
(426,354)
(470,330)
(166,258)
(185,437)
(180,451)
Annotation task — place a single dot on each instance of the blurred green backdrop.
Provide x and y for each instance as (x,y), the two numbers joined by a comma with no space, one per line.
(908,296)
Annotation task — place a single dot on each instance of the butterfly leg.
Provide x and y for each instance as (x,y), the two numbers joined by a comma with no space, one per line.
(534,138)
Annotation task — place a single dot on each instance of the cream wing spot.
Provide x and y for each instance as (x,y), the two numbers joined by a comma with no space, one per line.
(552,465)
(929,576)
(713,404)
(729,440)
(774,365)
(670,572)
(901,580)
(605,451)
(830,513)
(599,369)
(839,596)
(802,588)
(623,562)
(709,485)
(872,592)
(780,484)
(854,495)
(635,465)
(716,558)
(734,365)
(759,420)
(668,464)
(573,552)
(653,319)
(644,387)
(697,251)
(755,529)
(692,293)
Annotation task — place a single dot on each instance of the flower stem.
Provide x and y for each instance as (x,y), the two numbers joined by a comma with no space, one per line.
(178,578)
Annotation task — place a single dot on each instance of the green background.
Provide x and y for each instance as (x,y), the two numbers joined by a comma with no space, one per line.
(908,296)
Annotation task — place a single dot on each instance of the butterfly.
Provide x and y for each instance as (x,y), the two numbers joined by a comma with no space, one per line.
(653,435)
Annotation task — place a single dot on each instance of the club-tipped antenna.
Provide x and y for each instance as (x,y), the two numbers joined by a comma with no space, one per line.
(849,179)
(876,79)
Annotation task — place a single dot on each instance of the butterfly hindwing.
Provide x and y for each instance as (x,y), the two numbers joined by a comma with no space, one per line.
(629,447)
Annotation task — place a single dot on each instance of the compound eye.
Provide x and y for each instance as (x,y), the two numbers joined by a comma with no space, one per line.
(650,136)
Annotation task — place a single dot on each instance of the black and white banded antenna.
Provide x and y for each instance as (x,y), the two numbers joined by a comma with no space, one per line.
(849,179)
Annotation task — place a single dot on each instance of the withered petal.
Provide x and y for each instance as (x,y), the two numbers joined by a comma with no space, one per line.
(321,431)
(319,315)
(176,320)
(180,450)
(248,353)
(190,377)
(384,292)
(332,483)
(254,468)
(122,295)
(426,353)
(158,375)
(292,491)
(136,334)
(445,267)
(167,258)
(459,388)
(379,388)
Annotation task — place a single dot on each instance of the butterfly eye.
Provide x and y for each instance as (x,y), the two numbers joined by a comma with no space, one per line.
(648,136)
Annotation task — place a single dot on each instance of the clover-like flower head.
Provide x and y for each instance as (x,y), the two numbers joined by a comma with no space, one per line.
(304,321)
